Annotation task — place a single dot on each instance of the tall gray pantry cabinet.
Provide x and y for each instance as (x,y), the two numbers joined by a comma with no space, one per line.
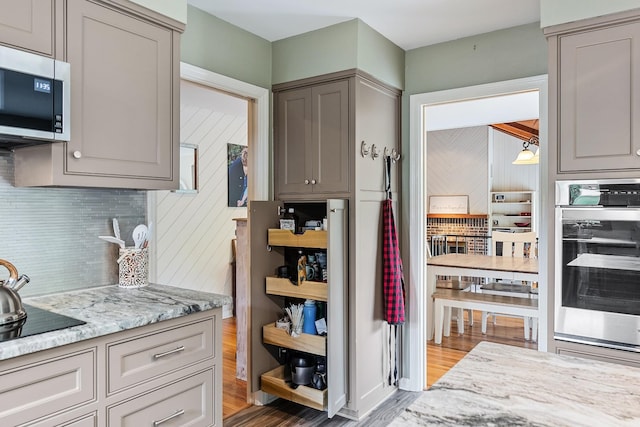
(320,125)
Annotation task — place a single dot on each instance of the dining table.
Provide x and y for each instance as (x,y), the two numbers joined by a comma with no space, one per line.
(476,266)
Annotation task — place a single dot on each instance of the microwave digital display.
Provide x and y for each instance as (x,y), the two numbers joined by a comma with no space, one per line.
(42,85)
(34,98)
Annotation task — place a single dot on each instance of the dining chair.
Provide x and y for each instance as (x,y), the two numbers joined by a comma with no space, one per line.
(521,245)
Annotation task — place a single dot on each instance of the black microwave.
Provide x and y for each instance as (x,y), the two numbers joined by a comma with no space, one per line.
(34,98)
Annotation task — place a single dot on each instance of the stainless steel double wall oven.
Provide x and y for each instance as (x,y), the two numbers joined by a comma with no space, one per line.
(597,289)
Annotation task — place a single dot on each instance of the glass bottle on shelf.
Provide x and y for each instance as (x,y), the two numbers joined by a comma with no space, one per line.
(291,215)
(289,220)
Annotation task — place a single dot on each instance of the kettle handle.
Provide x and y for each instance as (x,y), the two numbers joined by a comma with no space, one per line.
(13,271)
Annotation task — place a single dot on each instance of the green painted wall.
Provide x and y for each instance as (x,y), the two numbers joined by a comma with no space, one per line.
(215,45)
(315,53)
(350,44)
(379,57)
(491,57)
(553,12)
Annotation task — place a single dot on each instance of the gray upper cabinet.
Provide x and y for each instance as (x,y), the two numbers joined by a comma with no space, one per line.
(124,102)
(594,70)
(27,25)
(311,140)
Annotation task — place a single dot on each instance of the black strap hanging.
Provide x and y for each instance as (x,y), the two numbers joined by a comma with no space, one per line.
(387,176)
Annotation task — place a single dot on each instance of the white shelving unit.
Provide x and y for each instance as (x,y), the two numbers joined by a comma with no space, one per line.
(511,210)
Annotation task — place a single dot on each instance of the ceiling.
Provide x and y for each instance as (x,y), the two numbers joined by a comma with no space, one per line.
(407,23)
(526,130)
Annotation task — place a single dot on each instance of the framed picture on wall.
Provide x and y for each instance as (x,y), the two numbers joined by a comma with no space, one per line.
(237,156)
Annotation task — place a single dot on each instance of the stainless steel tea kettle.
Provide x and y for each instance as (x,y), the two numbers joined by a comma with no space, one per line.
(11,309)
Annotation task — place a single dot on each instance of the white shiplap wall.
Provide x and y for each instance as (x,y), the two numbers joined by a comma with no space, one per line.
(507,176)
(457,162)
(194,231)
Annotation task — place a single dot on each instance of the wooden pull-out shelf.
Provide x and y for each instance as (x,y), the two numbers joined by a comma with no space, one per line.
(308,290)
(314,344)
(309,239)
(273,383)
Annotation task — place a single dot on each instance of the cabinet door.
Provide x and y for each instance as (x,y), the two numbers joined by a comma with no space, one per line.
(330,173)
(293,147)
(121,105)
(337,254)
(27,24)
(264,309)
(599,99)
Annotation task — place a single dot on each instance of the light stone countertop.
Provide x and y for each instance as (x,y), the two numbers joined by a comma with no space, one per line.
(110,309)
(501,385)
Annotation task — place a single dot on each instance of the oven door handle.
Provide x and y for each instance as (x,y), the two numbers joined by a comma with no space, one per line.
(599,214)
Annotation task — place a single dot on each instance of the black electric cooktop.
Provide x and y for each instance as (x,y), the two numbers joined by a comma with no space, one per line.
(38,321)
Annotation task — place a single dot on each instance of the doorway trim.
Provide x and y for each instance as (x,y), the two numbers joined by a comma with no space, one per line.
(416,335)
(259,160)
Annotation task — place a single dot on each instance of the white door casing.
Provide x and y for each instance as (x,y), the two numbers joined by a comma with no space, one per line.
(259,158)
(415,333)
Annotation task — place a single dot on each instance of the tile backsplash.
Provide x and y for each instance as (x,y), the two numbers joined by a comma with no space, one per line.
(51,234)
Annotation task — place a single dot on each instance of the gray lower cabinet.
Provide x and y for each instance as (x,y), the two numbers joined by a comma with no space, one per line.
(312,134)
(169,372)
(594,69)
(28,25)
(181,403)
(124,102)
(48,386)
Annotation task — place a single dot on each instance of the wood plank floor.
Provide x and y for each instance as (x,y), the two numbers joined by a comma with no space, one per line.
(234,390)
(440,358)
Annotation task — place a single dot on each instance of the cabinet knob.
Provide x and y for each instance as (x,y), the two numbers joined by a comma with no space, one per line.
(313,181)
(306,181)
(638,153)
(77,154)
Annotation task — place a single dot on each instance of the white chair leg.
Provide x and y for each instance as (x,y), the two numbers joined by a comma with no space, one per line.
(439,320)
(534,329)
(484,322)
(527,326)
(470,317)
(460,318)
(447,321)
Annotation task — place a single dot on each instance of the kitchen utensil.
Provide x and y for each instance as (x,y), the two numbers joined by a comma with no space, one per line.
(302,369)
(522,224)
(11,309)
(283,271)
(112,239)
(319,379)
(310,272)
(116,228)
(149,235)
(140,235)
(294,311)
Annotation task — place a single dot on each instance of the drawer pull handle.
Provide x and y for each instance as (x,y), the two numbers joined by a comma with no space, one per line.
(166,353)
(170,417)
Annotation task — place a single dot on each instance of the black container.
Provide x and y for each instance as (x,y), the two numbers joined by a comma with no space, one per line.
(302,369)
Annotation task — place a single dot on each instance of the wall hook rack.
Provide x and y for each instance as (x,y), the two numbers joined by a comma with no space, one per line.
(375,152)
(364,149)
(395,156)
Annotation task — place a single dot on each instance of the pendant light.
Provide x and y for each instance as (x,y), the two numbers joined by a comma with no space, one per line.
(526,156)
